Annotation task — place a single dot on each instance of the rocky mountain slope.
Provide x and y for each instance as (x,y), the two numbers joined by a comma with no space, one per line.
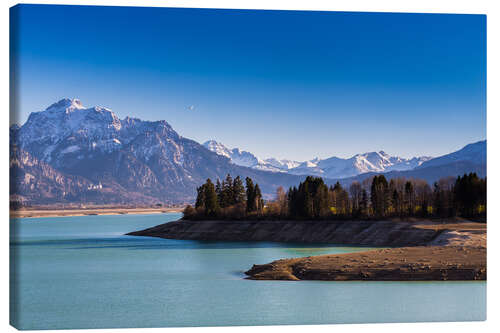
(474,153)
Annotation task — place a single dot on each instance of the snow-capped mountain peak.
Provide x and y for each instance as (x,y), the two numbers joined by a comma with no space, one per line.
(67,117)
(281,164)
(66,105)
(236,155)
(67,130)
(218,148)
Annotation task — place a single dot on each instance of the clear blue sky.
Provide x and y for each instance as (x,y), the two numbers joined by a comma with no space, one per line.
(277,83)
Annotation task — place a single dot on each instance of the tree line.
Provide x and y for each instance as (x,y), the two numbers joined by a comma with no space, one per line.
(226,199)
(373,198)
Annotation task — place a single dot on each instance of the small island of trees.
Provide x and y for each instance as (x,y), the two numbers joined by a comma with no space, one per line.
(374,198)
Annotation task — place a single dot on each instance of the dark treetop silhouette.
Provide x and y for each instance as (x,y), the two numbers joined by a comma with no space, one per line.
(374,198)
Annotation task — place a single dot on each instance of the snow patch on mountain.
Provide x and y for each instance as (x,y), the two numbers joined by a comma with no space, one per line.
(70,149)
(237,156)
(281,164)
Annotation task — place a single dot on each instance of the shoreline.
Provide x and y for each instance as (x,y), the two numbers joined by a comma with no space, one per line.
(457,254)
(38,213)
(420,251)
(425,263)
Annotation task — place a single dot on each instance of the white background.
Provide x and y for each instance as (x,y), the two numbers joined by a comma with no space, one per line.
(422,6)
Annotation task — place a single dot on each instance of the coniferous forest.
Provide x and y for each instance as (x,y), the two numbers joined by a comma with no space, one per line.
(374,198)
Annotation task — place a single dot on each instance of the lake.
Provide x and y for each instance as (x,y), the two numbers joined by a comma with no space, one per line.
(82,272)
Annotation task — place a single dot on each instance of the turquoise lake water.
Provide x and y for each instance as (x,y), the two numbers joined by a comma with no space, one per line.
(81,272)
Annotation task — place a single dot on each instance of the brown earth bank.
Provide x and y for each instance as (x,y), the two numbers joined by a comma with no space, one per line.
(426,250)
(23,213)
(422,263)
(363,233)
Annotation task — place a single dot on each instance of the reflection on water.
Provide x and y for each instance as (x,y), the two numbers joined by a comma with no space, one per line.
(81,272)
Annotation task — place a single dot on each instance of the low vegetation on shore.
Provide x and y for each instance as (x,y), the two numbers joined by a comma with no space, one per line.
(374,198)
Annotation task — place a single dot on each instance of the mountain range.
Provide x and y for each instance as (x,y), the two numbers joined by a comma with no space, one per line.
(333,167)
(69,153)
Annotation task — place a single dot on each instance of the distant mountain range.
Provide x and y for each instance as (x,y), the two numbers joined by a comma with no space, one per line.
(72,154)
(333,167)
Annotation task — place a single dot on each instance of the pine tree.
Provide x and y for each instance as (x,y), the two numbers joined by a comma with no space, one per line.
(200,198)
(307,202)
(310,200)
(211,202)
(250,195)
(259,202)
(470,193)
(379,195)
(218,191)
(238,191)
(227,192)
(292,197)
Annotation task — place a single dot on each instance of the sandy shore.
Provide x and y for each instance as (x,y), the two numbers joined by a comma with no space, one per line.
(458,253)
(90,211)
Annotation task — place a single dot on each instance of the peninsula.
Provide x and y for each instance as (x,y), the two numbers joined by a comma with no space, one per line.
(425,250)
(426,235)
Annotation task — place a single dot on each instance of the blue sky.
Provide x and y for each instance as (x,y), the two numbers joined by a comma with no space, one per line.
(286,84)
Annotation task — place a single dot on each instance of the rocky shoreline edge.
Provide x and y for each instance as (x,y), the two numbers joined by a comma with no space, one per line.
(420,251)
(431,263)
